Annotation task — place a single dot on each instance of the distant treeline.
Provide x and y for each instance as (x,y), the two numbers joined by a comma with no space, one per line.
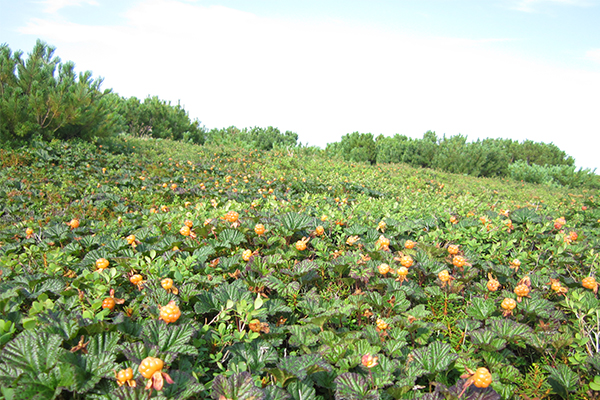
(527,160)
(43,99)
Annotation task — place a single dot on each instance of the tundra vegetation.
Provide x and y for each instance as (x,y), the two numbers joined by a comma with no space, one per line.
(143,256)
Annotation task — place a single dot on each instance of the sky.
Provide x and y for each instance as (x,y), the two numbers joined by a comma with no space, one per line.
(518,69)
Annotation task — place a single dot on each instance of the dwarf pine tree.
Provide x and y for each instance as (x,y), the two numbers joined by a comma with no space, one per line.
(40,97)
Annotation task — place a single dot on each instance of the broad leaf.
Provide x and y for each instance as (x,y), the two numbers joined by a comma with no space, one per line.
(481,308)
(562,379)
(351,386)
(236,387)
(436,357)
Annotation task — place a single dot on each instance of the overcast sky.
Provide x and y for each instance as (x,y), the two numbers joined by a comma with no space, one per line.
(520,69)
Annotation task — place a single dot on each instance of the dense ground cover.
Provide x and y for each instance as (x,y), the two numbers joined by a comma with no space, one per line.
(293,276)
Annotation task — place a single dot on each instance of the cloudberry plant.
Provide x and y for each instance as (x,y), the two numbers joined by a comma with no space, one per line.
(170,313)
(383,269)
(231,216)
(102,263)
(406,261)
(125,376)
(259,229)
(508,305)
(590,283)
(493,285)
(482,378)
(109,303)
(149,366)
(458,261)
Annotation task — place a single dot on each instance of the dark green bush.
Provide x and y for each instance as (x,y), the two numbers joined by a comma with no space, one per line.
(159,119)
(42,98)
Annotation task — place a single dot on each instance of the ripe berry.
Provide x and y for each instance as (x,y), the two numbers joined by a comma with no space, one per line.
(402,271)
(453,249)
(381,226)
(482,378)
(382,243)
(458,261)
(319,230)
(246,255)
(188,223)
(74,223)
(589,283)
(231,216)
(185,230)
(102,263)
(573,235)
(130,239)
(409,244)
(124,375)
(300,245)
(135,279)
(521,290)
(29,232)
(149,366)
(170,312)
(383,269)
(381,324)
(167,283)
(508,304)
(259,229)
(406,261)
(444,276)
(493,285)
(109,303)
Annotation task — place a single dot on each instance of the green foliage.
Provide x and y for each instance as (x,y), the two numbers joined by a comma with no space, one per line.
(159,119)
(553,175)
(285,324)
(358,147)
(253,138)
(42,98)
(526,161)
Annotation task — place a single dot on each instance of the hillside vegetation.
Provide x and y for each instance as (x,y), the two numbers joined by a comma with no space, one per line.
(43,98)
(293,276)
(172,262)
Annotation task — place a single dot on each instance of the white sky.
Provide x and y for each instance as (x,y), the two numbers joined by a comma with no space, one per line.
(328,74)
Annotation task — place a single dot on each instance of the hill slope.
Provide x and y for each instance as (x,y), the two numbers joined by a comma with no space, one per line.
(291,272)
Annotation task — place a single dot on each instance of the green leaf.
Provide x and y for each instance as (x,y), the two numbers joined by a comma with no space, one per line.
(32,352)
(487,340)
(562,379)
(170,338)
(481,308)
(294,222)
(436,357)
(351,386)
(236,387)
(301,391)
(273,392)
(509,329)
